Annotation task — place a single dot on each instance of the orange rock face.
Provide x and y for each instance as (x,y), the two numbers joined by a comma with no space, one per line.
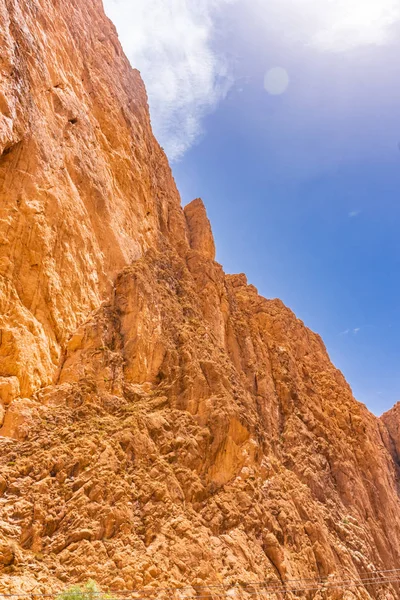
(161,422)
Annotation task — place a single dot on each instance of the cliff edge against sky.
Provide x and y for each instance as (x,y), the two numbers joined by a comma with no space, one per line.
(161,422)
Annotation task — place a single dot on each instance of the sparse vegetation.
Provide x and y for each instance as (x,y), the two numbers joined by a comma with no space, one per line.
(87,591)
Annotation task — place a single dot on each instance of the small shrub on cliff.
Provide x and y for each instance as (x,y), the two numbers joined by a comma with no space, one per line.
(88,591)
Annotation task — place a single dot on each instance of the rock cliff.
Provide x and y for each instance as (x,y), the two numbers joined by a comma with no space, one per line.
(161,422)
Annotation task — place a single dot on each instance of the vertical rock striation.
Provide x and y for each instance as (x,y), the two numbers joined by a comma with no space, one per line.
(161,422)
(84,187)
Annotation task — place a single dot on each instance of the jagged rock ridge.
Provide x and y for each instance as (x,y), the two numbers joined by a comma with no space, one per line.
(161,422)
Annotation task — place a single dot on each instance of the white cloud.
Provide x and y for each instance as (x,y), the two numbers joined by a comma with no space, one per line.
(170,42)
(353,331)
(331,25)
(354,213)
(352,23)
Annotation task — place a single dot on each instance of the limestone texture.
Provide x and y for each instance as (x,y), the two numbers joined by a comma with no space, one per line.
(161,423)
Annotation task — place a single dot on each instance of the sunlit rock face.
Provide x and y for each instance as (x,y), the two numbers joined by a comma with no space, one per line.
(160,421)
(85,188)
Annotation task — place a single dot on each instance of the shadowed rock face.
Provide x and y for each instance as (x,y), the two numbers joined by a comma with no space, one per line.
(392,421)
(161,422)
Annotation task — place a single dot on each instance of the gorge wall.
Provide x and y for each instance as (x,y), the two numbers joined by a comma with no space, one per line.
(161,423)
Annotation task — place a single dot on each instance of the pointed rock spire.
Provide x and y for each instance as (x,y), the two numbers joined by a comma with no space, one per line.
(201,237)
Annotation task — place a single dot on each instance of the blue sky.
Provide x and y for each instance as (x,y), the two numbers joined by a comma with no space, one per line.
(299,168)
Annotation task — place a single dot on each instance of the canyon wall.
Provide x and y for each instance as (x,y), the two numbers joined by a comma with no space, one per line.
(161,423)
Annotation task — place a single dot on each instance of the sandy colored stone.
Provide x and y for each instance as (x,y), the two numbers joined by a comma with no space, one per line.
(84,187)
(7,555)
(171,427)
(18,419)
(9,389)
(391,432)
(200,236)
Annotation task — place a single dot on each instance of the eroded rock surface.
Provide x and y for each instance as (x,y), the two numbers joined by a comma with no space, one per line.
(161,422)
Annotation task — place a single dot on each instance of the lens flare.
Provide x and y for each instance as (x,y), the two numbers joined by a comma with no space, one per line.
(276,81)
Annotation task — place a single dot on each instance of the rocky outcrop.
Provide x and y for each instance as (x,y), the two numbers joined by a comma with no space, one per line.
(201,238)
(161,422)
(391,419)
(84,187)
